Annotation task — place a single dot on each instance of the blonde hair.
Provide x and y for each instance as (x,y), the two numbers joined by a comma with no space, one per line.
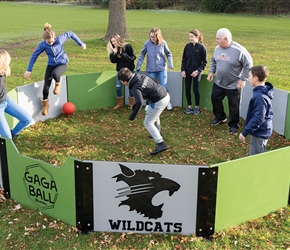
(48,32)
(119,41)
(157,32)
(5,60)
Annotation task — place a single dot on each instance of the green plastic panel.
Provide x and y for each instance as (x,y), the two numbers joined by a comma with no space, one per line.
(252,187)
(95,90)
(49,188)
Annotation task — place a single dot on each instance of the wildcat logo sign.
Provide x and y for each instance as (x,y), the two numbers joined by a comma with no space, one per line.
(142,186)
(40,186)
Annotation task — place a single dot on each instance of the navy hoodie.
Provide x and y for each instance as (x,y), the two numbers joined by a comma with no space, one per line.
(260,112)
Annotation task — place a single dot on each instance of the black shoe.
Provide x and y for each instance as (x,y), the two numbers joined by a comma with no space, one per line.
(159,148)
(14,137)
(215,121)
(233,131)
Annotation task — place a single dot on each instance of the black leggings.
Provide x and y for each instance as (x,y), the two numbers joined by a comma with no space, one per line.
(188,79)
(52,72)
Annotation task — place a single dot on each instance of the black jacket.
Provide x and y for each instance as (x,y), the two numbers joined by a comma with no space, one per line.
(193,58)
(124,59)
(145,88)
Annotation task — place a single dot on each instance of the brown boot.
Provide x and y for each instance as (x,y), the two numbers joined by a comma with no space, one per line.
(131,102)
(56,90)
(44,107)
(120,103)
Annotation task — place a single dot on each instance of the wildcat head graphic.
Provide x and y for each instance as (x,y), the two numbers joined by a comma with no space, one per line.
(143,185)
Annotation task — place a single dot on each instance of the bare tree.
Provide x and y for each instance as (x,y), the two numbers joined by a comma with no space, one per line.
(117,19)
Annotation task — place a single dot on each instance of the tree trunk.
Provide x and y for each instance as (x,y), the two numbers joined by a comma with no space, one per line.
(117,19)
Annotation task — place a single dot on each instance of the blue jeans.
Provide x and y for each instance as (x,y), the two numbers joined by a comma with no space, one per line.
(160,76)
(12,108)
(152,118)
(119,88)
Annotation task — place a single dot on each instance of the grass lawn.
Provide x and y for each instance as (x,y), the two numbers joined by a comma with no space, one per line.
(190,138)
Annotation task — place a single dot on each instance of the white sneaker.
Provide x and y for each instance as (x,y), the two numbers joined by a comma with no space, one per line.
(146,107)
(169,106)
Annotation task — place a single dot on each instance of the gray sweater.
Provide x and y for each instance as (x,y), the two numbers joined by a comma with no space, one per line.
(3,93)
(230,65)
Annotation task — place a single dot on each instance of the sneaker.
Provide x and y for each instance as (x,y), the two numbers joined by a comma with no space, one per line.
(146,107)
(215,121)
(233,131)
(169,106)
(14,137)
(196,111)
(159,148)
(188,111)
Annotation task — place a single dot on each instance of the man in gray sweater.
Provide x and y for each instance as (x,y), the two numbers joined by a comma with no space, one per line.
(231,63)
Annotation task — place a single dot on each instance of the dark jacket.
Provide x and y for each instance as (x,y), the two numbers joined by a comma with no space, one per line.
(193,58)
(260,112)
(124,59)
(3,92)
(145,88)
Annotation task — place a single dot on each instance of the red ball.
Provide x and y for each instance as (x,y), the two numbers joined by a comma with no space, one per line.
(68,108)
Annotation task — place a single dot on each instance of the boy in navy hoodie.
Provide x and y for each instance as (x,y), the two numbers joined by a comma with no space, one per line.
(260,112)
(157,98)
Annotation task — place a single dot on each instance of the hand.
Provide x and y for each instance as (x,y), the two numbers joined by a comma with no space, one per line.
(194,73)
(183,74)
(241,137)
(210,77)
(27,75)
(84,46)
(241,84)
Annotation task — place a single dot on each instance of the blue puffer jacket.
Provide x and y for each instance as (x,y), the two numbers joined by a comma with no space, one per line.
(260,112)
(55,52)
(156,60)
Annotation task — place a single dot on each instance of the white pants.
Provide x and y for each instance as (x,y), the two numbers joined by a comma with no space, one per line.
(152,120)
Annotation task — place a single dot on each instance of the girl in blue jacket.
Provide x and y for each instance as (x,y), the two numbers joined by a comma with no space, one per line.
(57,60)
(157,50)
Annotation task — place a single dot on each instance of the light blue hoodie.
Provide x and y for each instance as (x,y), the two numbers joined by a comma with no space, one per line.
(156,60)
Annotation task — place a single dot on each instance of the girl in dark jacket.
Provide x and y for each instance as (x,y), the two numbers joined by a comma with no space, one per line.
(192,66)
(121,53)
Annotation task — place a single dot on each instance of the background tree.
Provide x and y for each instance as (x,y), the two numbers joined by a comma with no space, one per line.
(117,19)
